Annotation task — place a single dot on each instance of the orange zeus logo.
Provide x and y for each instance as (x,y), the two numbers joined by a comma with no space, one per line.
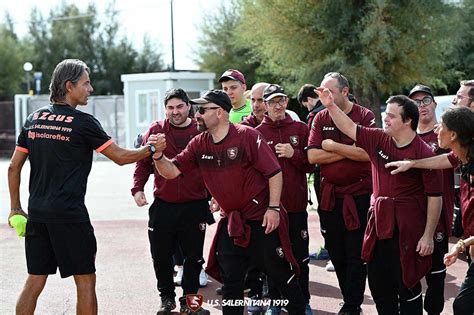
(52,117)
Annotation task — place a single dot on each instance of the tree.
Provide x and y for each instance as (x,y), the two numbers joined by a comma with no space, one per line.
(12,56)
(381,46)
(70,33)
(218,46)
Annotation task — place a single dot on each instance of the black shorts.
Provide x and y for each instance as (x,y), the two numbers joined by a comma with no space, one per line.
(69,246)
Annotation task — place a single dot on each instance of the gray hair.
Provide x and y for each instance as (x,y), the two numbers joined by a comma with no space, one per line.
(67,70)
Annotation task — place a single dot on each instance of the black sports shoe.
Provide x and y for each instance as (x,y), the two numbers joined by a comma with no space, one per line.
(167,305)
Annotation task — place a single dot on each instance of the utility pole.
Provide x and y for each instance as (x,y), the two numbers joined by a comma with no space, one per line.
(172,39)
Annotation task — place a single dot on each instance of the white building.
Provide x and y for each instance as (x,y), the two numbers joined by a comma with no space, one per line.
(144,92)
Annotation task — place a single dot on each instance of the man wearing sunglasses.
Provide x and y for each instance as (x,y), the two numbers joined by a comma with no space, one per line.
(434,297)
(177,216)
(345,190)
(243,176)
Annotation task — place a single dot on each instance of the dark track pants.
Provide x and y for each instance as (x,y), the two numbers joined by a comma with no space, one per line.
(177,224)
(434,297)
(262,252)
(464,302)
(345,249)
(299,237)
(390,295)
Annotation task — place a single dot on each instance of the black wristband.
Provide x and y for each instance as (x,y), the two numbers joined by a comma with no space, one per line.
(157,159)
(275,208)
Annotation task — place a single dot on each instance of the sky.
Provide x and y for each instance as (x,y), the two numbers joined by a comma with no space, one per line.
(137,18)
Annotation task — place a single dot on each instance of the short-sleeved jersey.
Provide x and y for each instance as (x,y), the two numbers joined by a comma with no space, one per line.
(235,170)
(181,189)
(237,115)
(59,141)
(467,199)
(446,218)
(344,172)
(381,150)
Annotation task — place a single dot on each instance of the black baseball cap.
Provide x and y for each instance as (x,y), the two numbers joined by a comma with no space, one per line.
(421,88)
(272,91)
(217,97)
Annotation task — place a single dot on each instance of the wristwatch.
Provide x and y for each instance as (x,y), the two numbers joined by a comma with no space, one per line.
(151,148)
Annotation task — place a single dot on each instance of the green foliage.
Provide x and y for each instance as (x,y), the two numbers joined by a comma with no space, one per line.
(382,46)
(12,52)
(218,46)
(70,33)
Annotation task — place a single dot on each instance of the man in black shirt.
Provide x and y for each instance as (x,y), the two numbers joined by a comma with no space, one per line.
(59,142)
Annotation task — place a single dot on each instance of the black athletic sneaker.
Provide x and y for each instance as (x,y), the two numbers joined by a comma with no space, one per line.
(167,305)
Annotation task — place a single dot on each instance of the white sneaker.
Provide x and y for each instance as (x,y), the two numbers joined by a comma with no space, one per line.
(203,278)
(179,276)
(330,266)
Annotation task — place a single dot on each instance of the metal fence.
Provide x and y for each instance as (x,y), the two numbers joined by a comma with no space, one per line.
(109,110)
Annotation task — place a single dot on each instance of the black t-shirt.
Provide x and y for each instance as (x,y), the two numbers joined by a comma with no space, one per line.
(60,141)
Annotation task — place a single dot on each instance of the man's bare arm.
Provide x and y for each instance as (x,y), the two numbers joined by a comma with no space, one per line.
(340,119)
(14,180)
(350,152)
(165,167)
(319,156)
(425,244)
(436,162)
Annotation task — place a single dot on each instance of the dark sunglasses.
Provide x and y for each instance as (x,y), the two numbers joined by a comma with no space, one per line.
(202,110)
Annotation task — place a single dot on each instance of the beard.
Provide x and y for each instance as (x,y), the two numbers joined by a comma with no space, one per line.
(201,125)
(177,120)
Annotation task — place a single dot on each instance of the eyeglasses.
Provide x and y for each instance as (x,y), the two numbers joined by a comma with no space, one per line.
(281,102)
(202,110)
(425,101)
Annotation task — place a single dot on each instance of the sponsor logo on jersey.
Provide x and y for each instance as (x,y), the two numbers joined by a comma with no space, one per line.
(207,157)
(383,155)
(325,128)
(52,117)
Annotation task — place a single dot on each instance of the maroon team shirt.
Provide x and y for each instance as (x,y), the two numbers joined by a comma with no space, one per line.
(235,170)
(250,121)
(181,189)
(324,128)
(467,200)
(295,184)
(446,218)
(399,202)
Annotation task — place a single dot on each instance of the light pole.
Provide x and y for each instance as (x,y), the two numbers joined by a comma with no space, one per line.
(27,67)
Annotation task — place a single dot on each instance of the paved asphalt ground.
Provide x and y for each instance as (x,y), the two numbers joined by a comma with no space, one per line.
(125,278)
